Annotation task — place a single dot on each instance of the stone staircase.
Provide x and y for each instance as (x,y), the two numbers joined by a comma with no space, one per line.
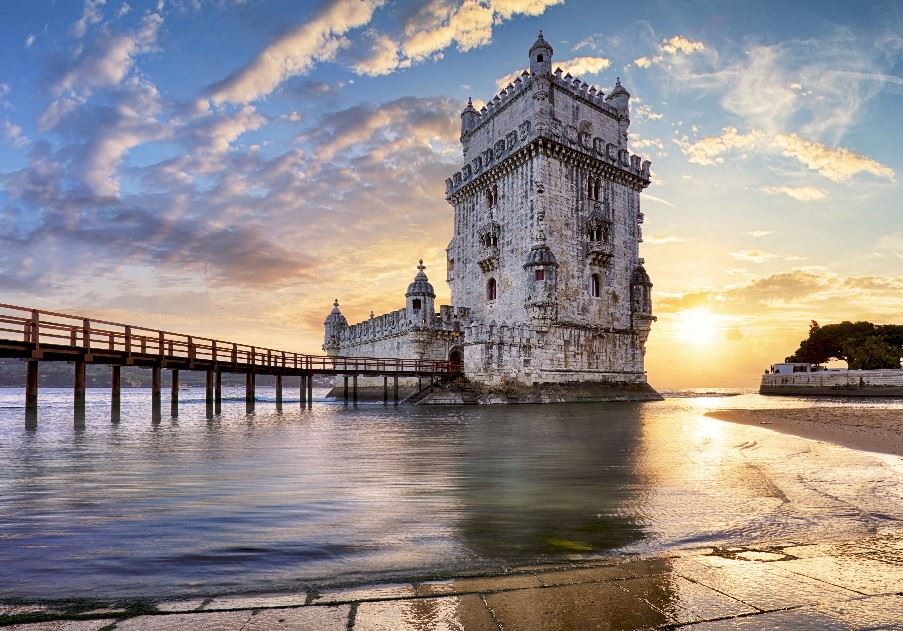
(454,391)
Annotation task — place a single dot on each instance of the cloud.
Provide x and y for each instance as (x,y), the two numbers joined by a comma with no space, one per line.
(440,24)
(799,193)
(837,165)
(677,44)
(753,256)
(643,111)
(892,241)
(577,66)
(91,14)
(296,52)
(759,233)
(30,40)
(12,134)
(663,239)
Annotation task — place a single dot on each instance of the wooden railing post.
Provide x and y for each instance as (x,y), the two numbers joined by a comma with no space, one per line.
(111,341)
(190,350)
(86,335)
(35,328)
(213,351)
(128,340)
(161,344)
(234,353)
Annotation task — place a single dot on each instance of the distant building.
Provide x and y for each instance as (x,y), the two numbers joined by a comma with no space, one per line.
(544,268)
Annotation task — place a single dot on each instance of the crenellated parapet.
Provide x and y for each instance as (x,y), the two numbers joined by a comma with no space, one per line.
(397,323)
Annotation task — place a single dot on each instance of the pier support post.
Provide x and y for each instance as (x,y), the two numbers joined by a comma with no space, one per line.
(174,392)
(303,389)
(218,393)
(208,399)
(346,390)
(155,393)
(79,393)
(310,389)
(250,394)
(31,394)
(115,393)
(354,388)
(278,391)
(385,389)
(395,388)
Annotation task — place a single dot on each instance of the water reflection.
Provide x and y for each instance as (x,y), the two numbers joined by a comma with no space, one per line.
(257,498)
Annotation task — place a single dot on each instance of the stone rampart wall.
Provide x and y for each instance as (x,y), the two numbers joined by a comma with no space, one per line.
(836,378)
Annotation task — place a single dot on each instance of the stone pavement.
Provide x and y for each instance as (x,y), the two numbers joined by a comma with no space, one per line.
(849,585)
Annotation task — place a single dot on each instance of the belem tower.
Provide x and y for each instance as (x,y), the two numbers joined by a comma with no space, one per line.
(551,301)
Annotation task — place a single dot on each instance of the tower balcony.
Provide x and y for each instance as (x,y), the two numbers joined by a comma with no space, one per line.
(488,258)
(599,252)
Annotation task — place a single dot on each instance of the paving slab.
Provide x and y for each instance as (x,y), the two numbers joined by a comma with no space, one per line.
(585,575)
(313,618)
(855,573)
(62,625)
(180,605)
(200,621)
(760,585)
(567,607)
(790,620)
(477,584)
(378,592)
(257,601)
(884,612)
(450,613)
(683,600)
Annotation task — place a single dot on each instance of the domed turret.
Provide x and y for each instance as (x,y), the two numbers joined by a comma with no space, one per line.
(334,325)
(420,298)
(542,281)
(640,291)
(619,98)
(468,118)
(541,57)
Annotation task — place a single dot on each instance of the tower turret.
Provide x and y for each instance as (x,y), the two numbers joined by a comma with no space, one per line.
(541,269)
(334,326)
(619,98)
(541,57)
(420,298)
(468,119)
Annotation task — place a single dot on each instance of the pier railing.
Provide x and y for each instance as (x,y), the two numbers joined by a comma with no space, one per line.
(38,329)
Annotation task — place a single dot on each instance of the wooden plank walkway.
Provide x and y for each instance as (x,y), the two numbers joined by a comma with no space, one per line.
(36,336)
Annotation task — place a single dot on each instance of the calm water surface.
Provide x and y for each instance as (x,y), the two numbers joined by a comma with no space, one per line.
(277,499)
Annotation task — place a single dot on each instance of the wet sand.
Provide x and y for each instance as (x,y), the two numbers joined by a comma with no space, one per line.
(868,429)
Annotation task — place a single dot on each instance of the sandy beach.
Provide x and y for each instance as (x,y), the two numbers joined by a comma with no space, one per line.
(869,429)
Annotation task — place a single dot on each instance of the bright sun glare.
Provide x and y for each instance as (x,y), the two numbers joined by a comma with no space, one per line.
(695,326)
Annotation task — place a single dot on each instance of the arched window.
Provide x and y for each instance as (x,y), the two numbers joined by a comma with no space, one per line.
(539,274)
(492,195)
(416,304)
(490,289)
(597,189)
(595,286)
(539,58)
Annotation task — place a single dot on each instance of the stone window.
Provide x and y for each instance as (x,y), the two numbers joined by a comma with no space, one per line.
(539,273)
(416,304)
(595,285)
(594,188)
(539,58)
(492,196)
(490,289)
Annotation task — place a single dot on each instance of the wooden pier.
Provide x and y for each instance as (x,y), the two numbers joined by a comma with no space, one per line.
(39,336)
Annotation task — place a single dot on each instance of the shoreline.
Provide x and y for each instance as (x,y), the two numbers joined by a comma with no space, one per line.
(852,582)
(864,429)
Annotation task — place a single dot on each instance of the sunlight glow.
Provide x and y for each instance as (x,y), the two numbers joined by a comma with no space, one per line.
(698,327)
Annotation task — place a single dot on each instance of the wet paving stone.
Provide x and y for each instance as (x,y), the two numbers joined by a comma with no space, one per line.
(587,575)
(257,601)
(758,584)
(477,584)
(791,620)
(876,612)
(62,625)
(171,606)
(319,618)
(451,613)
(682,600)
(213,621)
(351,594)
(862,575)
(586,606)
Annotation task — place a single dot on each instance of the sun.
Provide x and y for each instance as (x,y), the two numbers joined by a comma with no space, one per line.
(697,327)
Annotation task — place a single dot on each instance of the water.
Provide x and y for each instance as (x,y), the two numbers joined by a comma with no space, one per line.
(333,495)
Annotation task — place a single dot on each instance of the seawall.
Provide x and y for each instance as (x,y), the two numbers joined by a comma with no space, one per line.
(844,383)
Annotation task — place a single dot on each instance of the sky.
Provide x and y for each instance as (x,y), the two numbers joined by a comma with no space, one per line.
(228,168)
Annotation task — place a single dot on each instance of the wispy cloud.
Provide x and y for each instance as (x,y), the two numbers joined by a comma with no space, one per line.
(577,66)
(799,193)
(677,44)
(754,256)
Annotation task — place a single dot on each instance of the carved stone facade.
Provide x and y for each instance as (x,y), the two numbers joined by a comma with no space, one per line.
(544,263)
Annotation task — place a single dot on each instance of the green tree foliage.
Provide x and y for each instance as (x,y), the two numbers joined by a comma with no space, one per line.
(863,345)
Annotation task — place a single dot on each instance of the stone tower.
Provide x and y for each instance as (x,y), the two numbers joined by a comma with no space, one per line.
(547,226)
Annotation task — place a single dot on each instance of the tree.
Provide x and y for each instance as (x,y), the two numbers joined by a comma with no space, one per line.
(862,345)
